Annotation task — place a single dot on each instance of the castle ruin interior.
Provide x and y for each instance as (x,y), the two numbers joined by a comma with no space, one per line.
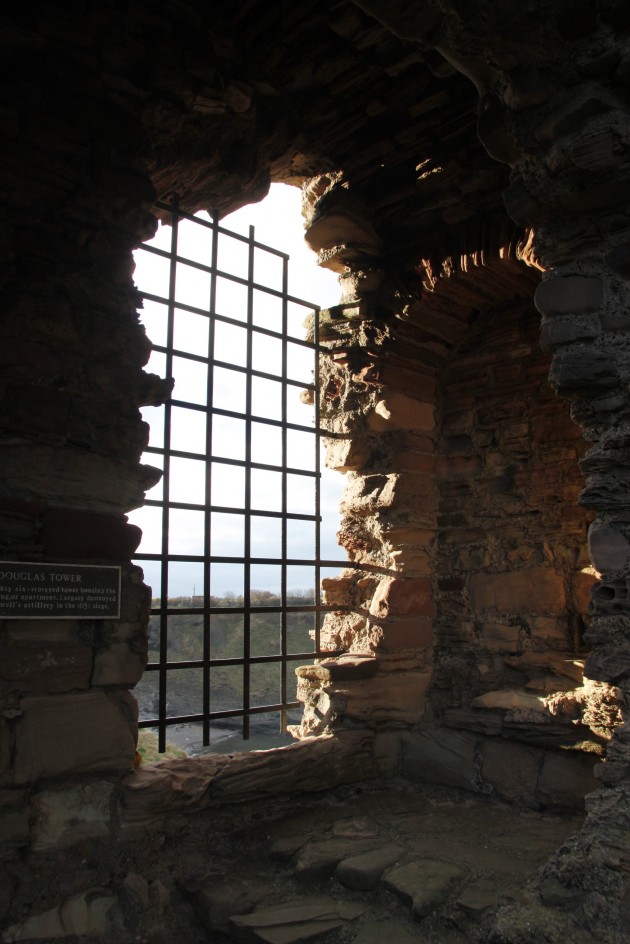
(461,771)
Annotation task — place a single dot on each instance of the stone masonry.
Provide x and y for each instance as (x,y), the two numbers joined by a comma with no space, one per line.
(464,169)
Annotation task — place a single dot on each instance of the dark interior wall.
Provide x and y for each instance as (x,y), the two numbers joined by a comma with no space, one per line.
(512,563)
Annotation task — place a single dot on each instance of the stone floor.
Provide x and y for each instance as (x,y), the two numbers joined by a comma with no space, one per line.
(371,865)
(384,863)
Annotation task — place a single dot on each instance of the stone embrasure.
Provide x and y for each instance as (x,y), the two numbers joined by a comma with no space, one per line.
(462,166)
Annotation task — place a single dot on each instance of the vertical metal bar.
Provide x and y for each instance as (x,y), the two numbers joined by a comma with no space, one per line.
(164,582)
(207,540)
(283,571)
(247,602)
(318,514)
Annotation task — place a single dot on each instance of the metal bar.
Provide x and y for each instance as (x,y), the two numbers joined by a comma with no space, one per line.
(207,565)
(248,486)
(286,606)
(284,502)
(318,537)
(166,483)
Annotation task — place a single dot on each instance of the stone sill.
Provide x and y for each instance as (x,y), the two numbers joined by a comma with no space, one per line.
(150,794)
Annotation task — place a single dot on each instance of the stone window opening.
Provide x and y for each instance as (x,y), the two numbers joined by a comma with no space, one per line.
(447,151)
(234,539)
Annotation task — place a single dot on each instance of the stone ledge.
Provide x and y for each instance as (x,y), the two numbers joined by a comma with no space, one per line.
(344,667)
(149,794)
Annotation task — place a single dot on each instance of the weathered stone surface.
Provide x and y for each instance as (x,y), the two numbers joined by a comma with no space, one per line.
(71,815)
(426,884)
(344,667)
(378,931)
(362,872)
(556,332)
(217,899)
(395,596)
(348,455)
(565,780)
(95,912)
(14,822)
(569,295)
(152,792)
(307,920)
(527,590)
(608,547)
(79,733)
(55,666)
(511,699)
(392,635)
(502,637)
(395,696)
(512,770)
(440,755)
(318,860)
(398,411)
(118,664)
(583,372)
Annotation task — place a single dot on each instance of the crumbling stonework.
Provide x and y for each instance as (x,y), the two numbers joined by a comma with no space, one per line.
(464,170)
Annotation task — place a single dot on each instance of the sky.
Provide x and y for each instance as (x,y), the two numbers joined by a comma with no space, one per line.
(278,223)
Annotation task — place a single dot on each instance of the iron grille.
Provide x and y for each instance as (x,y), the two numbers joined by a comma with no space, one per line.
(239,425)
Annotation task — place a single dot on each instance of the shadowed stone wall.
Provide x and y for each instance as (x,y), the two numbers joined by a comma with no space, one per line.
(442,146)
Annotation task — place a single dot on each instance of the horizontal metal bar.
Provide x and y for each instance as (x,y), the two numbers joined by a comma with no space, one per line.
(253,660)
(220,274)
(217,715)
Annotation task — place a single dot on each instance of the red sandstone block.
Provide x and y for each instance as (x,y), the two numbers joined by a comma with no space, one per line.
(405,634)
(581,586)
(528,590)
(396,596)
(413,462)
(453,467)
(64,735)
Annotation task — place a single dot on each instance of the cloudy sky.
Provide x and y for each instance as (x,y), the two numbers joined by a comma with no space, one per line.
(277,223)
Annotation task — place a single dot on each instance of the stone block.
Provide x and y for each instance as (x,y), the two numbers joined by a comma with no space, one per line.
(528,590)
(45,666)
(569,295)
(338,590)
(398,411)
(393,635)
(77,733)
(501,637)
(584,373)
(387,752)
(396,596)
(118,665)
(14,821)
(458,467)
(396,696)
(551,630)
(318,860)
(565,778)
(412,560)
(6,775)
(555,332)
(512,770)
(64,817)
(580,588)
(95,913)
(425,884)
(362,872)
(409,537)
(349,455)
(609,549)
(441,756)
(310,919)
